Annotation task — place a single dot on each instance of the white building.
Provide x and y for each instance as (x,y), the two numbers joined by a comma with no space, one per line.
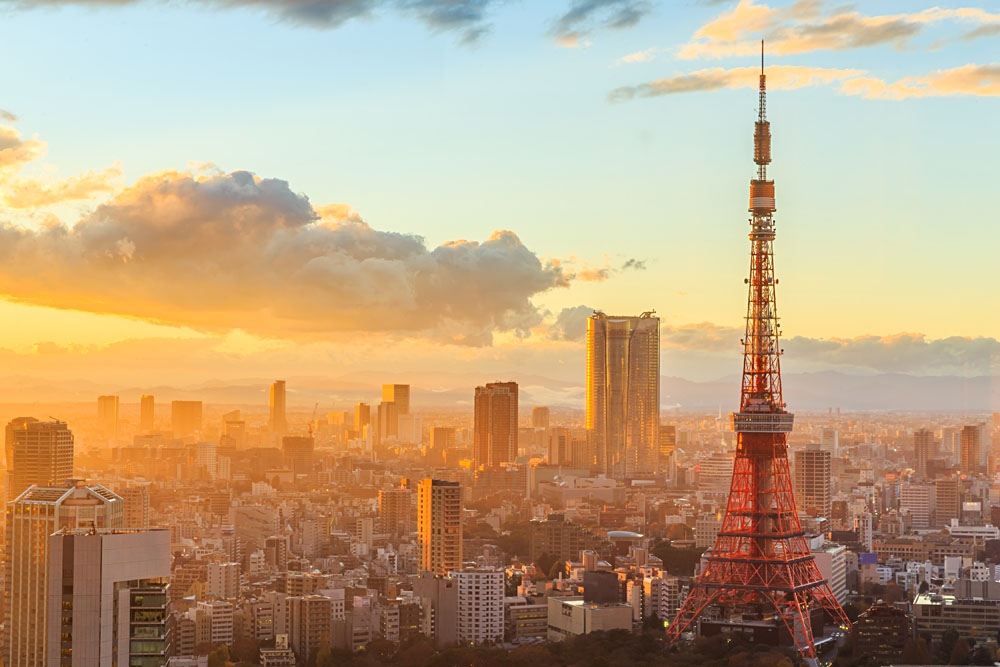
(480,606)
(706,529)
(832,562)
(917,500)
(104,577)
(220,615)
(223,580)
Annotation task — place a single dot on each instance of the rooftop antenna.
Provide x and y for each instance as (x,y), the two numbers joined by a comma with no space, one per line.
(761,56)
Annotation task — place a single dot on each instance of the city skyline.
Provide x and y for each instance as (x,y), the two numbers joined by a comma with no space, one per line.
(872,320)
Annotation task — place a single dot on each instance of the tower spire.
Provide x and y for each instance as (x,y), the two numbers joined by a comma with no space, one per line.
(761,567)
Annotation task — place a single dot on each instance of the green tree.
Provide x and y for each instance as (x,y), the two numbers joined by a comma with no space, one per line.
(948,640)
(915,652)
(558,567)
(545,562)
(219,657)
(959,653)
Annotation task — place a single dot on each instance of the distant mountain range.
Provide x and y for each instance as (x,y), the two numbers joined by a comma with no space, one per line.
(447,391)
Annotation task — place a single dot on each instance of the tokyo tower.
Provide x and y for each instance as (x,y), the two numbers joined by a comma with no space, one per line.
(761,568)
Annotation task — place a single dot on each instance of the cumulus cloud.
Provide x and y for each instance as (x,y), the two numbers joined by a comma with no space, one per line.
(16,152)
(571,323)
(586,16)
(900,353)
(466,16)
(7,116)
(787,77)
(806,26)
(34,193)
(220,252)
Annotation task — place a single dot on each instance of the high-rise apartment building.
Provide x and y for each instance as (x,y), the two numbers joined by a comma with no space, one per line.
(971,449)
(107,417)
(539,417)
(395,507)
(388,420)
(923,450)
(398,394)
(947,501)
(623,392)
(495,430)
(917,502)
(668,445)
(31,518)
(439,524)
(480,606)
(147,412)
(278,420)
(136,509)
(813,480)
(362,417)
(223,580)
(108,598)
(185,417)
(298,451)
(39,453)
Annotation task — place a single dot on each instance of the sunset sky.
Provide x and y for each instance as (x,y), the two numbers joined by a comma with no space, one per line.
(227,188)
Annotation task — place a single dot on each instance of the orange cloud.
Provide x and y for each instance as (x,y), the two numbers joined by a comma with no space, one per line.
(804,27)
(34,193)
(971,79)
(234,251)
(786,77)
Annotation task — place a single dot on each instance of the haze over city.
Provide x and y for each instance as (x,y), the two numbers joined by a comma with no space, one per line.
(446,332)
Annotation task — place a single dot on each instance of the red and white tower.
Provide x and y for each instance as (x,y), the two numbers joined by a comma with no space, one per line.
(761,566)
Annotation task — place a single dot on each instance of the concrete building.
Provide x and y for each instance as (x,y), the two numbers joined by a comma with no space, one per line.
(832,562)
(480,606)
(395,507)
(540,417)
(31,518)
(185,418)
(571,616)
(947,501)
(438,596)
(973,619)
(623,392)
(277,420)
(881,632)
(813,493)
(495,433)
(971,449)
(924,449)
(439,524)
(39,453)
(706,529)
(107,418)
(136,510)
(219,617)
(147,412)
(917,502)
(310,621)
(108,600)
(223,580)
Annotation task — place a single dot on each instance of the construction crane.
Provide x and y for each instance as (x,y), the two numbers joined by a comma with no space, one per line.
(312,419)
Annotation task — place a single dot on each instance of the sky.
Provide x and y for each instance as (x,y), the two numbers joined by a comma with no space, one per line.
(199,189)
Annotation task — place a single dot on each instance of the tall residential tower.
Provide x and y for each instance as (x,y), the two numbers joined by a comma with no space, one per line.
(623,392)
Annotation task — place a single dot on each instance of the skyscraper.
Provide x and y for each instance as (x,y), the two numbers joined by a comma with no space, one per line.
(971,449)
(668,445)
(278,421)
(812,481)
(108,597)
(398,394)
(107,417)
(362,417)
(439,524)
(147,407)
(495,429)
(923,450)
(31,518)
(185,417)
(298,451)
(41,454)
(623,392)
(540,417)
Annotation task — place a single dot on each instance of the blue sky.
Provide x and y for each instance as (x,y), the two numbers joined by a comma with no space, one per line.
(886,211)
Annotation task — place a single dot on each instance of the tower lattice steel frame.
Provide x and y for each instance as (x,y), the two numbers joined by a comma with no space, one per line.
(761,566)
